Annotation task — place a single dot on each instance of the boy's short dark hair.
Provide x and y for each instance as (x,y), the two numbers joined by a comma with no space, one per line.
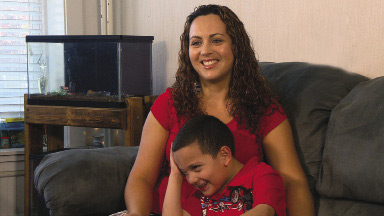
(210,133)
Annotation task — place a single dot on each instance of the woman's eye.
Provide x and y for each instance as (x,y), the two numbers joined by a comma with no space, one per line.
(217,41)
(195,43)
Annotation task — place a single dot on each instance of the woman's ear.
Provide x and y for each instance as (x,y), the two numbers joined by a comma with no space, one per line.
(225,155)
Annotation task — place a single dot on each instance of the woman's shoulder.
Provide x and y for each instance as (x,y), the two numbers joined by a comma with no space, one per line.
(168,92)
(274,116)
(165,96)
(164,99)
(163,108)
(274,108)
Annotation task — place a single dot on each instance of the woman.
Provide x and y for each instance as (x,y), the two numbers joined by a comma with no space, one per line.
(218,75)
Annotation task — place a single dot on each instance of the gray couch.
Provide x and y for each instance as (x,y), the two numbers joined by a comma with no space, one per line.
(337,119)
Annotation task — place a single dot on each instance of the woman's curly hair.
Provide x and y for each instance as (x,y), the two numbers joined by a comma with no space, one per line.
(249,94)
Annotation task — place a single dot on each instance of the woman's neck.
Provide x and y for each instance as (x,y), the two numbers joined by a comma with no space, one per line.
(215,102)
(214,91)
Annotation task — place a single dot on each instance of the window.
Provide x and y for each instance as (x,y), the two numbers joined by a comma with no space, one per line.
(19,18)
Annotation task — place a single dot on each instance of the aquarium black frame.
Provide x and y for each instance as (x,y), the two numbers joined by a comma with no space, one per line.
(88,38)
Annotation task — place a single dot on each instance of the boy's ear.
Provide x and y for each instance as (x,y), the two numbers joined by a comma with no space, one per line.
(225,155)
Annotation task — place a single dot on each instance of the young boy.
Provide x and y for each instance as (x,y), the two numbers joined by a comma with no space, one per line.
(203,153)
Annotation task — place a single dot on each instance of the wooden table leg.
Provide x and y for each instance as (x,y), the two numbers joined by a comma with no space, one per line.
(135,121)
(55,137)
(33,144)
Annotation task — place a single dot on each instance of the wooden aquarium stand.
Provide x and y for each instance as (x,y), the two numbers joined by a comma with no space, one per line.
(54,118)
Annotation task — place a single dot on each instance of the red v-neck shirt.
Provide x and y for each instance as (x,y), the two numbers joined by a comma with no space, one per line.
(247,145)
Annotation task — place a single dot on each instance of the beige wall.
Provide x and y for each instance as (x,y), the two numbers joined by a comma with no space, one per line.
(342,33)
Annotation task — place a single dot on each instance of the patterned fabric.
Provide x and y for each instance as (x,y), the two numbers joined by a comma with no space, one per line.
(120,213)
(256,183)
(239,201)
(125,212)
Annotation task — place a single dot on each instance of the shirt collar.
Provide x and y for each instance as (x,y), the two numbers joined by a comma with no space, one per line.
(238,180)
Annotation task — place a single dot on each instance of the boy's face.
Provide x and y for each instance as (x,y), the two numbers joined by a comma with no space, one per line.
(209,175)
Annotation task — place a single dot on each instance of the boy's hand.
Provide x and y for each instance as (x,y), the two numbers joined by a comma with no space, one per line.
(174,168)
(172,199)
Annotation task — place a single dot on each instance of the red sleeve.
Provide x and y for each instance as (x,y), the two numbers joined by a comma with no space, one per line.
(162,108)
(192,205)
(268,188)
(275,116)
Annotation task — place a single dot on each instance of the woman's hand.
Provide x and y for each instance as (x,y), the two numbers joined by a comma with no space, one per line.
(123,213)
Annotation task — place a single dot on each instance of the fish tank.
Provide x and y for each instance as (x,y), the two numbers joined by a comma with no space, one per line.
(88,70)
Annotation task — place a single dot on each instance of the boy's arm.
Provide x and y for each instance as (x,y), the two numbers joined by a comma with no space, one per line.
(260,210)
(172,200)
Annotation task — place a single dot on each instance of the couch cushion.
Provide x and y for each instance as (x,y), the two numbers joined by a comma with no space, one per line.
(337,207)
(308,93)
(85,181)
(354,149)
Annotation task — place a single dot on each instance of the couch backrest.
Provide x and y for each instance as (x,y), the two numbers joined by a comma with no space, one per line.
(308,94)
(353,157)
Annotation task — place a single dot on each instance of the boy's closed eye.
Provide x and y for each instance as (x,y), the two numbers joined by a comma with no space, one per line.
(196,168)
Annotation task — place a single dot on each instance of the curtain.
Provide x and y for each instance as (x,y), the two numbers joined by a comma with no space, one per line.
(19,18)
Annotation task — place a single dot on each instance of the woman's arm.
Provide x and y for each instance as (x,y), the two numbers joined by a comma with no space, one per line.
(172,200)
(145,171)
(281,154)
(260,210)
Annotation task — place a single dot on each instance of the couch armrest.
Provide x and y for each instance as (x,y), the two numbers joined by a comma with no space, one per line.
(85,181)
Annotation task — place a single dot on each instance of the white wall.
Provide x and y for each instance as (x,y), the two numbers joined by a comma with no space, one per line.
(347,34)
(82,17)
(342,33)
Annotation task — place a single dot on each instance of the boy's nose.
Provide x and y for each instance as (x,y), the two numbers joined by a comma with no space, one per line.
(192,179)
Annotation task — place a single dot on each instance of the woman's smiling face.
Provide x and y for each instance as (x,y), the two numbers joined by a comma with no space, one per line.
(210,49)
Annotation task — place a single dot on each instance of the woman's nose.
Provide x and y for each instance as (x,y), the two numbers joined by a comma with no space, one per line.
(206,49)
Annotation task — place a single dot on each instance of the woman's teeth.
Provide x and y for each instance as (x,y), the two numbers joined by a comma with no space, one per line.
(211,62)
